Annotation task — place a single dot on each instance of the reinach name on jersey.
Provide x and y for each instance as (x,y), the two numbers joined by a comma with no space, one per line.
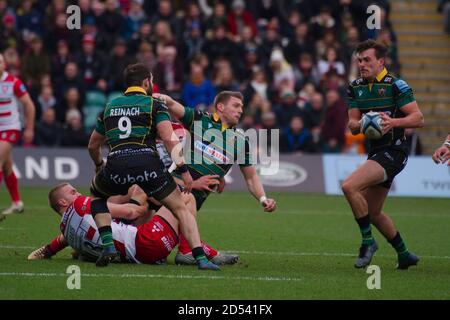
(130,121)
(387,94)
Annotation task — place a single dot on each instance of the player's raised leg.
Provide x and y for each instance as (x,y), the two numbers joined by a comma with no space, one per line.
(375,197)
(368,174)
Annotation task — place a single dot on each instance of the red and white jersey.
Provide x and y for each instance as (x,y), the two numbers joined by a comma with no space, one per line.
(180,132)
(11,89)
(81,233)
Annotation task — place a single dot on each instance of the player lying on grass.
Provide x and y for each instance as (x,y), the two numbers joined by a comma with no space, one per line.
(150,242)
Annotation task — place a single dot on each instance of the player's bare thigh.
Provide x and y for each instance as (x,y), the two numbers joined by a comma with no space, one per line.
(370,173)
(5,153)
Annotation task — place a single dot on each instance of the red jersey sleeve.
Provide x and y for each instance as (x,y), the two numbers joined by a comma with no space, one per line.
(19,88)
(82,205)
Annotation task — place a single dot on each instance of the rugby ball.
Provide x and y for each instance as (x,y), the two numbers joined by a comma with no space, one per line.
(371,125)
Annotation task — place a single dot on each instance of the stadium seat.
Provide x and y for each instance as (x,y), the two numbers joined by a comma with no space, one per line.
(90,116)
(95,98)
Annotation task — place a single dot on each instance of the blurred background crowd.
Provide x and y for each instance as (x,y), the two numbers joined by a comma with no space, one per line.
(292,60)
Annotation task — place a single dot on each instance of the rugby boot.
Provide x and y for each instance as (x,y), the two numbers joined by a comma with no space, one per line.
(365,255)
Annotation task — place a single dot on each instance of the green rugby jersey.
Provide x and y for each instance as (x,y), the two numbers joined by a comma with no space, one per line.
(386,94)
(209,154)
(130,120)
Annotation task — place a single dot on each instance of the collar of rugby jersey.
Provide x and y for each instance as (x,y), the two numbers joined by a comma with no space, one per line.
(379,77)
(135,89)
(216,118)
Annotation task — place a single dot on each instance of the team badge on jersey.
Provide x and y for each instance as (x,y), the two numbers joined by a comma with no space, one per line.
(382,92)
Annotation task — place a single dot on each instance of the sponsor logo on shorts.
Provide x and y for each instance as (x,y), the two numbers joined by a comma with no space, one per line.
(147,176)
(387,155)
(167,243)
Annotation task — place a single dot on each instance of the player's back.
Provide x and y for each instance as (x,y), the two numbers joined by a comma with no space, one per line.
(129,121)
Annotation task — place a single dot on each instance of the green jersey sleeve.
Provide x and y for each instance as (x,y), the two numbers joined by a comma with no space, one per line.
(403,93)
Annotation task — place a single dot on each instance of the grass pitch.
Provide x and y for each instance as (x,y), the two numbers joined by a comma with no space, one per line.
(305,250)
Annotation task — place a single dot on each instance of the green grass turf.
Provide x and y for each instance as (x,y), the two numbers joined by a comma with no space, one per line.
(305,250)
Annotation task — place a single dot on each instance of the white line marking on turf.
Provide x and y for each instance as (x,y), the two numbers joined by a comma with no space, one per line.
(279,253)
(101,275)
(331,254)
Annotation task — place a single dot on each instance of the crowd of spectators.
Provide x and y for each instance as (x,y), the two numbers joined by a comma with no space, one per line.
(291,59)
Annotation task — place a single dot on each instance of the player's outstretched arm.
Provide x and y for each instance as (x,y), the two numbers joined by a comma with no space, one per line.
(176,110)
(413,118)
(256,188)
(49,250)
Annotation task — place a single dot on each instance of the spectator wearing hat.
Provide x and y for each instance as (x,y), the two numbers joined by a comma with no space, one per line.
(92,65)
(282,72)
(9,37)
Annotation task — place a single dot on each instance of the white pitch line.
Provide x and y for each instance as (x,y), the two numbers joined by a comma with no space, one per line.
(279,253)
(132,275)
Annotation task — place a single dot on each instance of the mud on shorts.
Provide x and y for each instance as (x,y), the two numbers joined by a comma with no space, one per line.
(128,167)
(393,160)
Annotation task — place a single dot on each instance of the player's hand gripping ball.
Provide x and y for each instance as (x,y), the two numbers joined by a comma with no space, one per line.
(371,125)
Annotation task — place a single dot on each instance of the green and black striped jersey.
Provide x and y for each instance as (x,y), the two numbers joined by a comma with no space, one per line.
(129,121)
(214,148)
(386,94)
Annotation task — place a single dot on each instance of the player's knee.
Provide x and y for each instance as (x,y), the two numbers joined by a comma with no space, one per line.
(347,187)
(99,206)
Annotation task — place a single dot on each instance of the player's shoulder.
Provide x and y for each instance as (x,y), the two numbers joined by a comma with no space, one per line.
(82,205)
(401,85)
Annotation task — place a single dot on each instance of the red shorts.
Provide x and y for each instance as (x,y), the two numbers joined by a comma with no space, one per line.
(11,136)
(155,240)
